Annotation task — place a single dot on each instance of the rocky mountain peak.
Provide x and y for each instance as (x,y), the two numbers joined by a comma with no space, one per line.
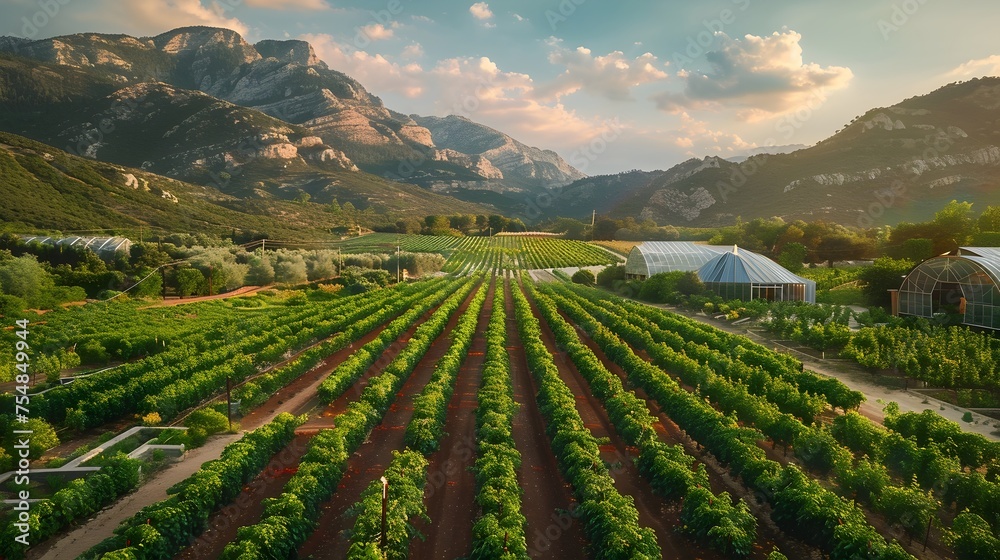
(298,52)
(198,39)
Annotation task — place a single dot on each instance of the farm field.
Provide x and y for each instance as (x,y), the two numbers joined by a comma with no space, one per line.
(548,420)
(465,254)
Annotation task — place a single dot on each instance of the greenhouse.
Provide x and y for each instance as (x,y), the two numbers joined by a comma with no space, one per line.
(729,271)
(105,247)
(653,257)
(964,283)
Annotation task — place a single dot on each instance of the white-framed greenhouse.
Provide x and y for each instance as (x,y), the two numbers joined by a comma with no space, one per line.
(729,271)
(964,282)
(105,247)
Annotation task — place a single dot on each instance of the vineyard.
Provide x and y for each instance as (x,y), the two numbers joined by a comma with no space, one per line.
(548,420)
(467,254)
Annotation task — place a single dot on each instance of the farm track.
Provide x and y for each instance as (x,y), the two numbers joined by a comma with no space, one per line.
(546,493)
(769,535)
(450,495)
(654,512)
(370,460)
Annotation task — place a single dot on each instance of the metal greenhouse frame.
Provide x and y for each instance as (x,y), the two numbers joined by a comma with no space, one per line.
(965,283)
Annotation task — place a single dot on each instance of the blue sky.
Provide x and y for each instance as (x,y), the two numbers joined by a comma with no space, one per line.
(611,86)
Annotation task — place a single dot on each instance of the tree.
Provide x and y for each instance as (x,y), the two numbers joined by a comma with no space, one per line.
(584,276)
(611,277)
(605,229)
(792,256)
(690,284)
(989,220)
(955,222)
(261,272)
(25,278)
(884,274)
(189,281)
(917,249)
(661,288)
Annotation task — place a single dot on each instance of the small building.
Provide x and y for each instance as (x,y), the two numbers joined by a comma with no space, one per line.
(105,247)
(962,282)
(729,271)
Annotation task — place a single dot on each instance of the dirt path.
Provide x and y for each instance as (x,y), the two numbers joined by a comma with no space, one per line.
(451,486)
(654,512)
(101,526)
(546,494)
(369,462)
(175,300)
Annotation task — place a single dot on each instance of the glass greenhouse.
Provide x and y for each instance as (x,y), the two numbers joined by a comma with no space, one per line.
(731,272)
(964,283)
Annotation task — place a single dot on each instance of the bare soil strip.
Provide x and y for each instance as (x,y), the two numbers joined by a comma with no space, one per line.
(369,462)
(450,495)
(550,533)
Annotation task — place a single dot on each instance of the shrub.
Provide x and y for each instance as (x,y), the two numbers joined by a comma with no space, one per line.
(584,277)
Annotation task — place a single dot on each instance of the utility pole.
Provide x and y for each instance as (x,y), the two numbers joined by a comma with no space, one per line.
(397,264)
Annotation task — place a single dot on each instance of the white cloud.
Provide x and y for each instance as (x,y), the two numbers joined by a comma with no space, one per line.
(481,11)
(758,76)
(611,76)
(478,89)
(519,17)
(415,50)
(989,66)
(698,139)
(378,32)
(377,73)
(152,17)
(289,4)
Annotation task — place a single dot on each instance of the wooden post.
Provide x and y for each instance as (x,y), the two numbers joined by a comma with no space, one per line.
(229,402)
(928,534)
(385,501)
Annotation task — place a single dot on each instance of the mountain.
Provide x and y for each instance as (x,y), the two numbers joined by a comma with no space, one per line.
(584,196)
(44,188)
(743,155)
(891,164)
(210,92)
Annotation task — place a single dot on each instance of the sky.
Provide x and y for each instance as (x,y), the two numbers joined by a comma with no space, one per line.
(610,86)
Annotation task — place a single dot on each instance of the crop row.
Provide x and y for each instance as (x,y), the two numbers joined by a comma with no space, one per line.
(942,356)
(160,530)
(430,408)
(498,532)
(362,321)
(730,528)
(360,360)
(77,501)
(188,368)
(610,520)
(818,447)
(681,332)
(289,519)
(406,474)
(800,505)
(640,331)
